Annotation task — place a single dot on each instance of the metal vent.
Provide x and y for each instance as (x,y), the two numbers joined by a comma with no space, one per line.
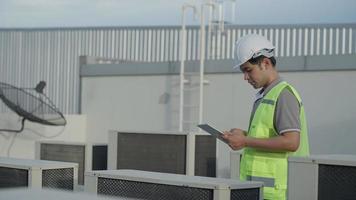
(205,155)
(58,178)
(65,153)
(151,152)
(336,182)
(245,194)
(150,191)
(100,157)
(11,177)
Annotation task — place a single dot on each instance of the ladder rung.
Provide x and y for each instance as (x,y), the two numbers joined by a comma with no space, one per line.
(191,106)
(191,88)
(205,82)
(190,122)
(192,73)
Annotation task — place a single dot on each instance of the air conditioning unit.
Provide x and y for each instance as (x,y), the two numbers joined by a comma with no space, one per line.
(167,152)
(88,156)
(46,194)
(37,174)
(164,186)
(235,159)
(322,177)
(99,156)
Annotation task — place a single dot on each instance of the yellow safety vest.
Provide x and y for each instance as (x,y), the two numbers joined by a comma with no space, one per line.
(271,167)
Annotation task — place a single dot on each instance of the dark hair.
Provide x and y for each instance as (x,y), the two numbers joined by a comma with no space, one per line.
(258,60)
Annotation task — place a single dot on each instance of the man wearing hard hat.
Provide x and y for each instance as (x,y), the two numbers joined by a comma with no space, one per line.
(277,126)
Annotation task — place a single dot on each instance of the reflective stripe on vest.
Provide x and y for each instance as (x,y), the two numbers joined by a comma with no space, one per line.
(271,167)
(267,182)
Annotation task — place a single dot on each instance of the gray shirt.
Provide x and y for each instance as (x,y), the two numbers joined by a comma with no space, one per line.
(286,116)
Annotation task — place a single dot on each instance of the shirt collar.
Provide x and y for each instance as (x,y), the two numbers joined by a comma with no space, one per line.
(261,93)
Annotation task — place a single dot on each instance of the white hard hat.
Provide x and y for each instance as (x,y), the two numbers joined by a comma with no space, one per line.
(252,46)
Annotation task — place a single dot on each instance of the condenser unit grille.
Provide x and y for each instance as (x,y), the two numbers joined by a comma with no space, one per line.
(100,157)
(11,177)
(336,182)
(205,155)
(58,178)
(150,191)
(245,194)
(65,153)
(152,152)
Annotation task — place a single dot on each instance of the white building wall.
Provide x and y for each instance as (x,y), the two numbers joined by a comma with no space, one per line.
(22,145)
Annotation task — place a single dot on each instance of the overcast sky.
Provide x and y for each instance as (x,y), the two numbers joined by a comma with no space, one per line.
(78,13)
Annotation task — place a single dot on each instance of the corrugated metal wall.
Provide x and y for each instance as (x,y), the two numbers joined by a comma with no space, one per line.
(30,55)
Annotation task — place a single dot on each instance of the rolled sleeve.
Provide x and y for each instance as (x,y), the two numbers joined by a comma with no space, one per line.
(287,113)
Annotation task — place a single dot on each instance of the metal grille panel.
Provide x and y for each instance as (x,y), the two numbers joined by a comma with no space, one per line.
(151,191)
(205,155)
(336,182)
(66,153)
(11,177)
(152,152)
(245,194)
(100,157)
(58,178)
(30,55)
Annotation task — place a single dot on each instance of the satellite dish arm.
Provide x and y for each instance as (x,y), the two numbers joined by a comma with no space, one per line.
(16,131)
(40,86)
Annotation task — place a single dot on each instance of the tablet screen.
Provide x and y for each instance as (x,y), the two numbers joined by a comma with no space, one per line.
(214,132)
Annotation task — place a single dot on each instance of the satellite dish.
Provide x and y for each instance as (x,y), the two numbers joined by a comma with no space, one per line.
(31,104)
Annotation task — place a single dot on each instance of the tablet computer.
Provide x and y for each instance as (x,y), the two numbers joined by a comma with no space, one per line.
(212,131)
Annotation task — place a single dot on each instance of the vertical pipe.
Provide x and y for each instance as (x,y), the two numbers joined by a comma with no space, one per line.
(202,57)
(190,154)
(182,66)
(181,75)
(233,14)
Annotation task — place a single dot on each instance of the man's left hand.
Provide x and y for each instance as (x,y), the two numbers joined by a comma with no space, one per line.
(236,138)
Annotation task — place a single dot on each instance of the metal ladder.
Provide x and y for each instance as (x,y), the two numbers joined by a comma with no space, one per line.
(192,84)
(192,80)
